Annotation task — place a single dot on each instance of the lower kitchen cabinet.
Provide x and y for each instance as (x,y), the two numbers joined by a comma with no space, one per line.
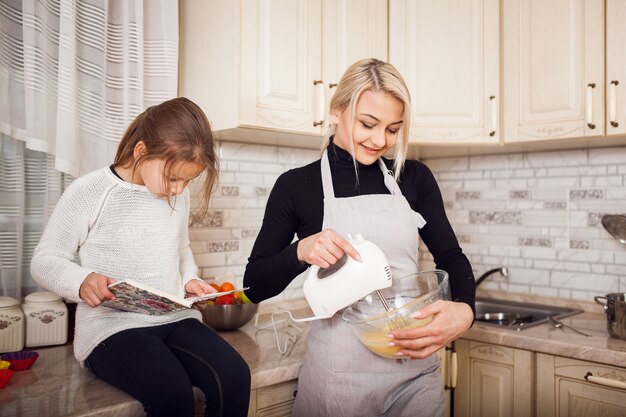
(573,388)
(274,400)
(493,381)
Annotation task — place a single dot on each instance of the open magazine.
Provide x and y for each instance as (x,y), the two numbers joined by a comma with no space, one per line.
(140,298)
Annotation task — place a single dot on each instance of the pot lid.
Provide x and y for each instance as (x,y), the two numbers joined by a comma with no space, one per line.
(42,297)
(8,302)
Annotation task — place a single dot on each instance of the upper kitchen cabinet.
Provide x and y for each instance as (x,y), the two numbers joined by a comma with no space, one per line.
(256,65)
(553,69)
(448,52)
(616,67)
(281,65)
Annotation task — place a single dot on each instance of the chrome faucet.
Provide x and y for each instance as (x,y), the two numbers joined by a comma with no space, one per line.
(503,270)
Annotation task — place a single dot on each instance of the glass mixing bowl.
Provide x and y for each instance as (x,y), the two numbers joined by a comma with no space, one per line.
(370,322)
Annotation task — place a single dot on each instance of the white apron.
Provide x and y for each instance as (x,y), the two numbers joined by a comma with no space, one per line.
(340,377)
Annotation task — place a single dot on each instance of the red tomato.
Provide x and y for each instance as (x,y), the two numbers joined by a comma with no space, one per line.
(225,299)
(227,286)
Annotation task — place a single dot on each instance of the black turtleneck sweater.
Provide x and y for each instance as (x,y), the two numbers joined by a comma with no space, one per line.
(296,207)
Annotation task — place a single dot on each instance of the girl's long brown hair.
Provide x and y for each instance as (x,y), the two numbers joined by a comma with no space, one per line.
(176,130)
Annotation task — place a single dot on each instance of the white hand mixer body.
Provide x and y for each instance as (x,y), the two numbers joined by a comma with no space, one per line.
(328,290)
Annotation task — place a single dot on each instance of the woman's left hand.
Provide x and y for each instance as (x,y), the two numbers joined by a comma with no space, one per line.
(450,320)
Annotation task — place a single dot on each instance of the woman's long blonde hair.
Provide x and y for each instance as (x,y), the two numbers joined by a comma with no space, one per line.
(378,76)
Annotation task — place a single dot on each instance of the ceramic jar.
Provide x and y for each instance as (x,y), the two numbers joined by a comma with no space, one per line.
(11,325)
(46,319)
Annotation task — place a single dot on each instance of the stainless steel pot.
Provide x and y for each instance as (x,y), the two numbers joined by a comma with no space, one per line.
(615,309)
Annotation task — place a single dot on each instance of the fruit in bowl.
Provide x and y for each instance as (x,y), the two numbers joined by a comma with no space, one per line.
(229,311)
(370,322)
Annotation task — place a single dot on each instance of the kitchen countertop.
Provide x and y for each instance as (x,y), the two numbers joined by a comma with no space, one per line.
(56,385)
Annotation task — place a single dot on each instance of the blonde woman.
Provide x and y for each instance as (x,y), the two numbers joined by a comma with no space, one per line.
(353,189)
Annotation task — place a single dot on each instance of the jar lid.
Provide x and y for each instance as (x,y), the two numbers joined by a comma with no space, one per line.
(8,301)
(42,297)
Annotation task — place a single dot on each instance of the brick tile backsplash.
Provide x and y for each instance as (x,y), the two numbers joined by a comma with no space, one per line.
(538,213)
(557,199)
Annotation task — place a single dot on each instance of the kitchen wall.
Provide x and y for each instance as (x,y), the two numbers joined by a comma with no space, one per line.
(223,240)
(537,213)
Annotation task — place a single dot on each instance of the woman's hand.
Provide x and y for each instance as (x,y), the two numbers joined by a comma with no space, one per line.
(450,320)
(95,289)
(197,287)
(325,248)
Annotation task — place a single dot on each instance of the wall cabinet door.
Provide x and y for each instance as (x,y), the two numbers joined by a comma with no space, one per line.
(448,53)
(616,67)
(352,30)
(281,64)
(553,69)
(272,64)
(573,388)
(493,381)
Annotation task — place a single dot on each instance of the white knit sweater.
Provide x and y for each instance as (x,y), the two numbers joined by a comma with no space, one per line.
(103,224)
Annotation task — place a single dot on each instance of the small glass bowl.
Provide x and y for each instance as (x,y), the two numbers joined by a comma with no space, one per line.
(370,322)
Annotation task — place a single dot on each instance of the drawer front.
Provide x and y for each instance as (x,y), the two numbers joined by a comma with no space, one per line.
(276,394)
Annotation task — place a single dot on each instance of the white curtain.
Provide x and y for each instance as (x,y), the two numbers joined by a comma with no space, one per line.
(29,189)
(73,75)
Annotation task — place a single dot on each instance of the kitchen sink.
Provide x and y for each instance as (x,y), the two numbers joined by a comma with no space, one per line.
(518,315)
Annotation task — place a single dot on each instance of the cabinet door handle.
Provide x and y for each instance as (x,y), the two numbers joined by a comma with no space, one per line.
(494,115)
(320,103)
(589,100)
(605,381)
(453,369)
(613,103)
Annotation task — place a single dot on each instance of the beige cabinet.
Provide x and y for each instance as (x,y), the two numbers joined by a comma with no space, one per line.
(553,69)
(616,67)
(274,400)
(448,53)
(272,64)
(493,381)
(574,388)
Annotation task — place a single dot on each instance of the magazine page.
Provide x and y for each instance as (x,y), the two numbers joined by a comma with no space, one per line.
(128,297)
(138,298)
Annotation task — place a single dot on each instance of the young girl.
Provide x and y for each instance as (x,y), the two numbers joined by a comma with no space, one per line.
(349,191)
(130,221)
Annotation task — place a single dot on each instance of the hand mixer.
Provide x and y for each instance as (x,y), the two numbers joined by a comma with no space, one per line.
(328,290)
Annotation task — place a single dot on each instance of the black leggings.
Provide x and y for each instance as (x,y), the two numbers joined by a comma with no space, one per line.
(159,365)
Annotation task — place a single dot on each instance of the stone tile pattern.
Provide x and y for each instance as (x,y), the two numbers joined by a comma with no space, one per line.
(539,214)
(222,241)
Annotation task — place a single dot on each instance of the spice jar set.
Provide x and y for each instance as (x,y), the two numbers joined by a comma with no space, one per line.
(42,320)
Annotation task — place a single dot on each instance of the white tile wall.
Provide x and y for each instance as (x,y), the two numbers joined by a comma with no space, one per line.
(223,241)
(537,213)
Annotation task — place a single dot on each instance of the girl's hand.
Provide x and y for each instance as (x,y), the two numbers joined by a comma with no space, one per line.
(450,320)
(197,287)
(95,289)
(325,248)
